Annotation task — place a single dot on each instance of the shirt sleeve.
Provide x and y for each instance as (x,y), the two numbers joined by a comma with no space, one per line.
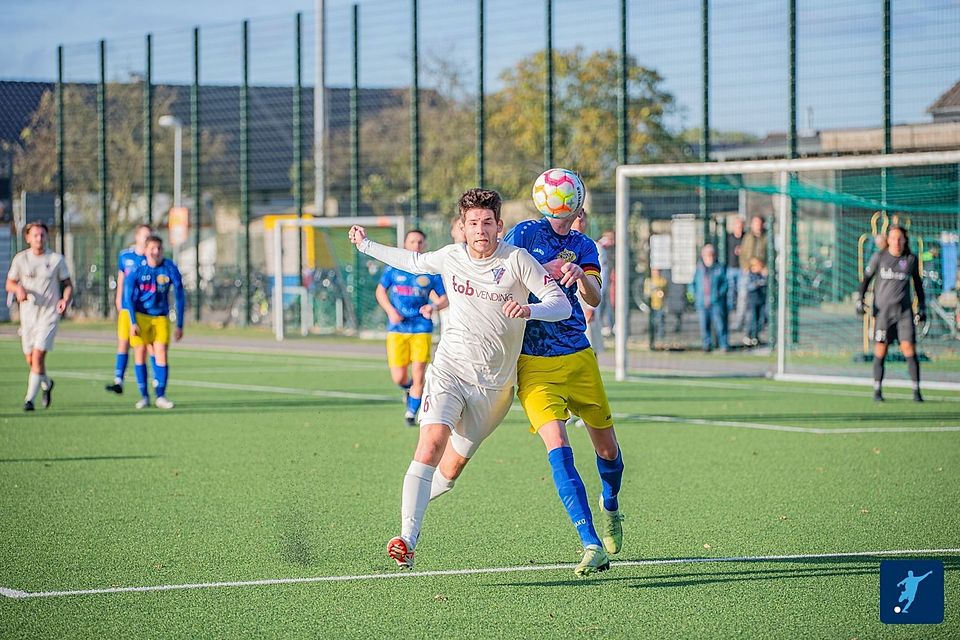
(554,305)
(129,293)
(179,295)
(120,263)
(14,272)
(438,286)
(868,274)
(590,259)
(430,262)
(386,278)
(63,273)
(918,284)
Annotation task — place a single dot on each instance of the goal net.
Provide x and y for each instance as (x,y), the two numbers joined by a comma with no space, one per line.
(790,303)
(333,288)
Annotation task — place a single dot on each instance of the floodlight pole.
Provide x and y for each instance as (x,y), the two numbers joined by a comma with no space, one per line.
(783,257)
(622,285)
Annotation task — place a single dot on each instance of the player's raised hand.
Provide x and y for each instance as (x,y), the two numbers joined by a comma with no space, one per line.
(357,234)
(555,268)
(570,274)
(513,309)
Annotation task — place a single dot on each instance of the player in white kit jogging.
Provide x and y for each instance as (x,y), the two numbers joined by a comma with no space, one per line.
(469,386)
(40,281)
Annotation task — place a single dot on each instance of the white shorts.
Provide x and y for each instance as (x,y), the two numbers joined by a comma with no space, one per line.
(471,412)
(38,328)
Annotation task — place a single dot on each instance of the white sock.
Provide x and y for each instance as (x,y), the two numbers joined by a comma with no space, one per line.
(44,381)
(440,485)
(33,386)
(416,496)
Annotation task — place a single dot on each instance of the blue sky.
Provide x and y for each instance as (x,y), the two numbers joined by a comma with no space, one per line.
(839,75)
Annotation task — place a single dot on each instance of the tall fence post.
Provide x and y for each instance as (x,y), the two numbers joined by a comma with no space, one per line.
(195,168)
(245,171)
(887,115)
(794,285)
(480,119)
(548,89)
(355,116)
(61,164)
(705,105)
(148,130)
(623,101)
(102,177)
(298,140)
(319,109)
(415,118)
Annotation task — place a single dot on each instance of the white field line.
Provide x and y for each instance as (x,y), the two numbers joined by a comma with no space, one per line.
(806,388)
(227,386)
(626,417)
(778,427)
(22,595)
(247,355)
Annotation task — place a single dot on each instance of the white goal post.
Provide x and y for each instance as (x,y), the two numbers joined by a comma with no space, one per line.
(398,222)
(781,169)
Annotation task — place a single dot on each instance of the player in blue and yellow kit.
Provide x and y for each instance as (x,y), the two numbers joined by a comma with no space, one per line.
(129,259)
(146,297)
(558,374)
(406,299)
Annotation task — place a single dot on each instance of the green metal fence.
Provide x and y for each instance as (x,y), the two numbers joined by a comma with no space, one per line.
(424,98)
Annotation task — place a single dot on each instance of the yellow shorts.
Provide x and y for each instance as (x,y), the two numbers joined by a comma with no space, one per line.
(152,329)
(123,325)
(404,348)
(548,386)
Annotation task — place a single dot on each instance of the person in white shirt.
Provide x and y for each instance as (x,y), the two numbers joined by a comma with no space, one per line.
(470,383)
(40,281)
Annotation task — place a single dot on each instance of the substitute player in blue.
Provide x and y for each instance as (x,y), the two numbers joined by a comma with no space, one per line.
(146,297)
(129,259)
(557,374)
(410,300)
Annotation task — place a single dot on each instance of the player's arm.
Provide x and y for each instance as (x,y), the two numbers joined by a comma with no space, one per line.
(383,299)
(13,286)
(867,277)
(430,262)
(129,303)
(921,295)
(553,305)
(180,300)
(121,278)
(66,287)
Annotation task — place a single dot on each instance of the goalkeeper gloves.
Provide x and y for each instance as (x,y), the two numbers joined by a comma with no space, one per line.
(861,308)
(920,317)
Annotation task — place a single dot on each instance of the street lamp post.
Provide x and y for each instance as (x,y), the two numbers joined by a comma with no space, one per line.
(173,121)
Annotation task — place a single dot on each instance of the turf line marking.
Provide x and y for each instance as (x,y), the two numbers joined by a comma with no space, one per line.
(760,426)
(22,595)
(228,386)
(807,388)
(629,417)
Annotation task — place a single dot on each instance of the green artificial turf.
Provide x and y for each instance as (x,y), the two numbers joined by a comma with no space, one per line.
(290,466)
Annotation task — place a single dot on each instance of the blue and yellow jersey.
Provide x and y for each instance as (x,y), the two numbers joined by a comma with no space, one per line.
(146,290)
(129,260)
(408,292)
(546,245)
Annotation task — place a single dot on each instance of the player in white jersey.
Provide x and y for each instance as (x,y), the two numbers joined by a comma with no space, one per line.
(469,386)
(40,281)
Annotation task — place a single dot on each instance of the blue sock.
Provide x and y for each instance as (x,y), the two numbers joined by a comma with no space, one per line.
(120,368)
(611,473)
(153,366)
(160,373)
(141,371)
(406,386)
(573,494)
(413,404)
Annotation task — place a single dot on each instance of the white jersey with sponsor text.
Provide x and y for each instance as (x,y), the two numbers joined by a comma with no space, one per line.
(479,345)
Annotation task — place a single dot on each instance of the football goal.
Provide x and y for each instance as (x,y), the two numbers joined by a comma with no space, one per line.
(332,289)
(790,304)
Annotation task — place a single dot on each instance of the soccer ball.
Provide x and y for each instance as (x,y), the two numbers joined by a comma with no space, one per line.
(558,193)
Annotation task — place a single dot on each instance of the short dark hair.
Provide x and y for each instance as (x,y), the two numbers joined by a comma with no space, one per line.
(480,199)
(420,231)
(156,239)
(43,225)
